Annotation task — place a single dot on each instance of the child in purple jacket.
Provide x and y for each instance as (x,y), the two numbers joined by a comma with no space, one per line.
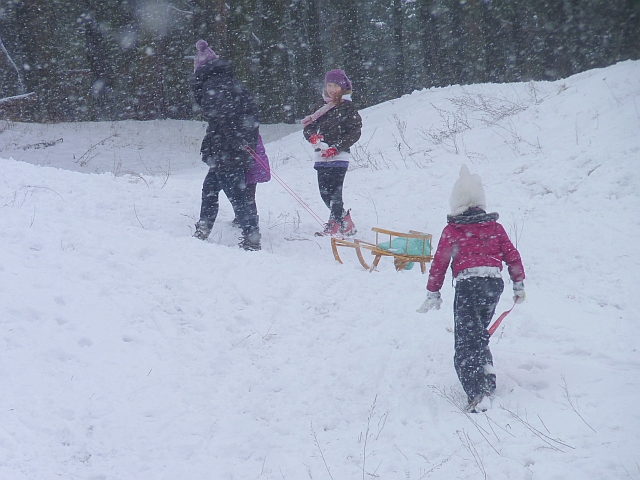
(260,172)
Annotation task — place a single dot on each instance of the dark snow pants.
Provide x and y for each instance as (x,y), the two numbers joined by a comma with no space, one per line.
(251,195)
(475,303)
(330,182)
(233,185)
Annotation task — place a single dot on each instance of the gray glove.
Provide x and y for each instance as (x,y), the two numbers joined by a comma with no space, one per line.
(518,292)
(432,302)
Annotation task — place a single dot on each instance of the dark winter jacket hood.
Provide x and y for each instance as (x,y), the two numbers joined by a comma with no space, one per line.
(216,71)
(217,66)
(231,113)
(473,215)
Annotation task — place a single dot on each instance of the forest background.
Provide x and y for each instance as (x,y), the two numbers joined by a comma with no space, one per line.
(96,60)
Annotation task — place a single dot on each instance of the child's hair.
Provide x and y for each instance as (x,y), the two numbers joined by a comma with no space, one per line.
(338,99)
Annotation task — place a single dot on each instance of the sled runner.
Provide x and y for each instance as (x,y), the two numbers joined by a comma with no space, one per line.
(405,248)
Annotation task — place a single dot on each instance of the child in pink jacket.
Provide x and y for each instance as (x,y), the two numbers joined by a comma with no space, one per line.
(476,245)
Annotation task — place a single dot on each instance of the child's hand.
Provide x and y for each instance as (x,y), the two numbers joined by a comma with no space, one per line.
(518,292)
(329,152)
(315,138)
(319,147)
(432,302)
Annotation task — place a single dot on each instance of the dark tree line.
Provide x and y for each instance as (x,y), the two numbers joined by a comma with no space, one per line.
(132,59)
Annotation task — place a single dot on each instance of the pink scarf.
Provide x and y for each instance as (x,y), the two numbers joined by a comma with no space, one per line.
(329,104)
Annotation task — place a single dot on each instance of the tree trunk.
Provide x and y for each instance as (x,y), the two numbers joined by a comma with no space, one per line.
(430,44)
(21,88)
(347,40)
(398,46)
(315,49)
(221,44)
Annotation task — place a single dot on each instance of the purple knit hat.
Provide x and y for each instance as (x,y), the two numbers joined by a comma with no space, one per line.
(203,55)
(339,78)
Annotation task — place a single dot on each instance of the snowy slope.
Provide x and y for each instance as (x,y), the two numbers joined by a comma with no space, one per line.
(132,351)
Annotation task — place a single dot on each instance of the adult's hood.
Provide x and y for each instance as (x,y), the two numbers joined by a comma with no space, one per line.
(215,67)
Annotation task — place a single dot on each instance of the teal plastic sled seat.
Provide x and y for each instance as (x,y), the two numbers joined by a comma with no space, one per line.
(407,246)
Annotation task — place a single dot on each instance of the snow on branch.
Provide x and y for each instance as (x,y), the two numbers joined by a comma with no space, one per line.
(24,96)
(21,88)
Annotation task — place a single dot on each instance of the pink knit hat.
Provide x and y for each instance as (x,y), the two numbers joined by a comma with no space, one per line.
(204,55)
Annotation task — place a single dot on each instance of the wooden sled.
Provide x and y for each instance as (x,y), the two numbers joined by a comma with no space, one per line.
(403,247)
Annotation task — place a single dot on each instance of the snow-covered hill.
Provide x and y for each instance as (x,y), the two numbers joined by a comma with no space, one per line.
(132,351)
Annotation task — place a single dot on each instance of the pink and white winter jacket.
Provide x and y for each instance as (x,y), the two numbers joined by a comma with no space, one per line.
(473,239)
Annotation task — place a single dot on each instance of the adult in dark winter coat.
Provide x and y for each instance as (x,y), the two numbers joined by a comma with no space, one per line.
(332,130)
(476,245)
(233,125)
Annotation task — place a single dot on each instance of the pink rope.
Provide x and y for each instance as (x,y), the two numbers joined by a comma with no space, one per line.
(284,185)
(496,324)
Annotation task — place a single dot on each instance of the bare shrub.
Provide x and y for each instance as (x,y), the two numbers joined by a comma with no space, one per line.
(6,125)
(492,108)
(470,447)
(455,123)
(362,157)
(574,406)
(459,403)
(515,231)
(515,141)
(90,154)
(368,434)
(402,129)
(280,159)
(40,145)
(317,444)
(534,92)
(553,443)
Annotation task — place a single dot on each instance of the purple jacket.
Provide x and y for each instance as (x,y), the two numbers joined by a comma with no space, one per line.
(259,173)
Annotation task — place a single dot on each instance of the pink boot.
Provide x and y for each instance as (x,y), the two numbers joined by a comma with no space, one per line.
(331,229)
(348,228)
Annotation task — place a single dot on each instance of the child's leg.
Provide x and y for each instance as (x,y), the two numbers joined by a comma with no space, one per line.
(210,193)
(330,182)
(234,187)
(475,303)
(251,201)
(251,195)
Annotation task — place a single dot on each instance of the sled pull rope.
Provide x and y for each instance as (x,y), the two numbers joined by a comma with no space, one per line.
(284,185)
(496,324)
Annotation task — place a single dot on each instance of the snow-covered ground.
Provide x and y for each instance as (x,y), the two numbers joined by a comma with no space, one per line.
(132,351)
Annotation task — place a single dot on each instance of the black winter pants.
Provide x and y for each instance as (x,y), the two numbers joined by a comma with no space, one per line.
(251,195)
(234,187)
(475,303)
(330,182)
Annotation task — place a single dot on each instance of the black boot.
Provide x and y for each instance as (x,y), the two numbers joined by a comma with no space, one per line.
(250,241)
(474,404)
(202,231)
(490,379)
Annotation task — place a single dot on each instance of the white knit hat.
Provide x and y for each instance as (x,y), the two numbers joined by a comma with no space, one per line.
(467,192)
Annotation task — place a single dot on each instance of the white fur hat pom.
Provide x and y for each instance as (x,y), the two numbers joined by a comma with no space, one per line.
(467,192)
